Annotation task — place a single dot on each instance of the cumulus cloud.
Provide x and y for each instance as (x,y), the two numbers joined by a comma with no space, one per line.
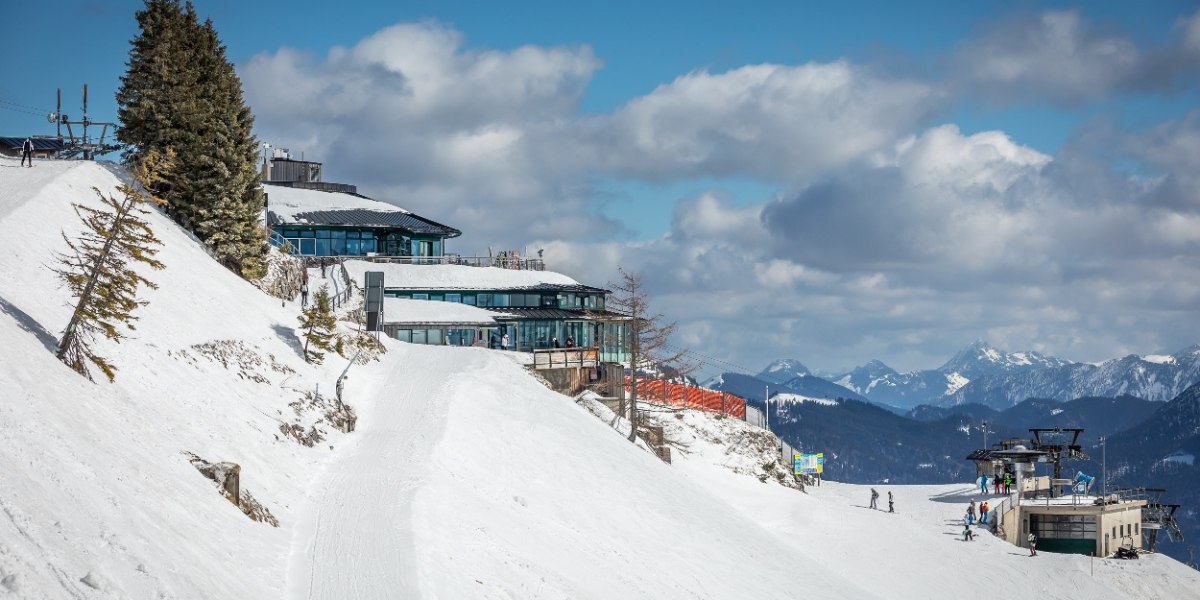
(416,119)
(781,123)
(493,142)
(1060,57)
(939,240)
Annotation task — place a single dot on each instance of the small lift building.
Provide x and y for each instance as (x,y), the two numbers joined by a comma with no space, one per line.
(1064,514)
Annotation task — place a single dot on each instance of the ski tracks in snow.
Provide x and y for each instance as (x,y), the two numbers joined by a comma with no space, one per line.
(354,537)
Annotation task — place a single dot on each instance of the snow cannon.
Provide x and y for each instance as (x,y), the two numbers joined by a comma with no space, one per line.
(1083,483)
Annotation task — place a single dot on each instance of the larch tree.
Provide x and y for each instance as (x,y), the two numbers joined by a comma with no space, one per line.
(648,339)
(181,92)
(99,269)
(320,327)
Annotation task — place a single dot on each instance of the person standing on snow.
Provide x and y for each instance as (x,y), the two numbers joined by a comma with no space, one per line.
(27,152)
(983,484)
(1007,483)
(1032,544)
(971,513)
(967,533)
(504,342)
(874,498)
(983,513)
(891,507)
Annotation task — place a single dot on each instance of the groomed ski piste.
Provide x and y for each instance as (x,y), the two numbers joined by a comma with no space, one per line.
(465,478)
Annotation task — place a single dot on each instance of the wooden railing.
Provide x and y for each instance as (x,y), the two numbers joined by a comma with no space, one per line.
(561,358)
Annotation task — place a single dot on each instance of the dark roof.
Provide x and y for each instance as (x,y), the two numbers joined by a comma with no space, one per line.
(554,314)
(541,287)
(39,143)
(361,217)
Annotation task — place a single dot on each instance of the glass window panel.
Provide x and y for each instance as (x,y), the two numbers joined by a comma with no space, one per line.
(469,299)
(435,337)
(485,300)
(420,296)
(322,247)
(453,297)
(352,247)
(418,336)
(339,243)
(322,234)
(404,335)
(500,300)
(437,297)
(549,301)
(306,247)
(307,233)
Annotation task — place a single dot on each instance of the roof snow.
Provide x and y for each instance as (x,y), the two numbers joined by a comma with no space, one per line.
(288,202)
(456,277)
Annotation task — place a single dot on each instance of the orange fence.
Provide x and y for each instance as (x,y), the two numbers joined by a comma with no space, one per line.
(677,394)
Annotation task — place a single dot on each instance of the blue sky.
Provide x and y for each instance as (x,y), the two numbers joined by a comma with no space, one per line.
(866,180)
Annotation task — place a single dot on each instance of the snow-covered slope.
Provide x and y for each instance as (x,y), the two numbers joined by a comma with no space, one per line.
(465,477)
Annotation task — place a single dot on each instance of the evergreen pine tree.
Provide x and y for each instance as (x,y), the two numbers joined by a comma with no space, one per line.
(320,328)
(99,270)
(181,92)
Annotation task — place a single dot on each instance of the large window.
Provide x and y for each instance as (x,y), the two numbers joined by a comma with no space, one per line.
(1076,527)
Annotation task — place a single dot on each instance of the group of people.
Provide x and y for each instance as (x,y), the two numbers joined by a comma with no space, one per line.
(875,501)
(570,342)
(969,518)
(1001,484)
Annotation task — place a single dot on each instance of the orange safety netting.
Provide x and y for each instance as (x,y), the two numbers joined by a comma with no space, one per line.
(677,394)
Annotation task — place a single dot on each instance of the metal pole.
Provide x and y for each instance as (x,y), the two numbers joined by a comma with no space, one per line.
(1103,468)
(767,405)
(985,435)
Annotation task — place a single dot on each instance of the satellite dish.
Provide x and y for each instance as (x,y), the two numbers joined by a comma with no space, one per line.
(52,117)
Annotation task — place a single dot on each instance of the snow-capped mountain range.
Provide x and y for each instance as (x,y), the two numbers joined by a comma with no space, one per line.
(983,374)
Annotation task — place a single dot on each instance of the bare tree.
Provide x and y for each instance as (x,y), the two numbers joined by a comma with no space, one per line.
(649,336)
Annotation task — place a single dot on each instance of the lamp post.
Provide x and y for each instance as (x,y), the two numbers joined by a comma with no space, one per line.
(985,435)
(1103,468)
(767,405)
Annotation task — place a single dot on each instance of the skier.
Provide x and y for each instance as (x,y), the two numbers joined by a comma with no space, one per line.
(968,535)
(891,508)
(1032,544)
(1007,483)
(983,513)
(971,513)
(27,152)
(983,484)
(996,484)
(504,342)
(874,498)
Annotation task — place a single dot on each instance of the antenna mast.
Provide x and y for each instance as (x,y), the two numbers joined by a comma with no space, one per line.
(82,146)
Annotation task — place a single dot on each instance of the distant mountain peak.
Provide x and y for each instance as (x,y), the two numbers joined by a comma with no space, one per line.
(981,358)
(783,369)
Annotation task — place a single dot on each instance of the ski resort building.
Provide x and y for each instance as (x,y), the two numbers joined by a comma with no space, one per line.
(498,296)
(1065,514)
(311,217)
(533,308)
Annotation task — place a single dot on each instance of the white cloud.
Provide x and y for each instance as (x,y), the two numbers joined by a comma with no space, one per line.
(782,123)
(1060,57)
